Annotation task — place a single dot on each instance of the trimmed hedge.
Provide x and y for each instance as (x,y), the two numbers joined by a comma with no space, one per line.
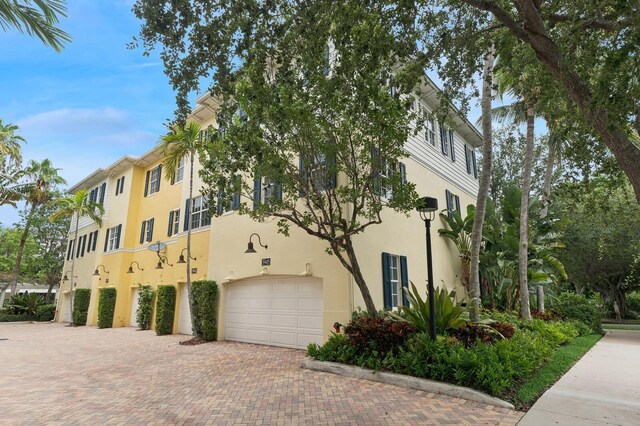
(46,312)
(106,307)
(165,309)
(5,316)
(204,296)
(81,299)
(145,306)
(573,306)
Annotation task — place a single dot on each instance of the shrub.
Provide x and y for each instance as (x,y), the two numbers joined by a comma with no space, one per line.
(377,334)
(573,306)
(633,303)
(6,316)
(204,296)
(25,303)
(81,298)
(472,333)
(106,307)
(145,306)
(448,313)
(165,309)
(547,315)
(46,312)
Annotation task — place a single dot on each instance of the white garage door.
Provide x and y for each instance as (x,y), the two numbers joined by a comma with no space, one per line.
(134,308)
(275,311)
(184,321)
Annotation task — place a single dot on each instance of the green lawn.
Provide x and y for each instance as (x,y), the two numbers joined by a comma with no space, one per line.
(561,361)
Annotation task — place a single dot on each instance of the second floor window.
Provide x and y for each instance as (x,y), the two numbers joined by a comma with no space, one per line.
(174,222)
(198,213)
(112,238)
(152,181)
(180,170)
(430,133)
(146,232)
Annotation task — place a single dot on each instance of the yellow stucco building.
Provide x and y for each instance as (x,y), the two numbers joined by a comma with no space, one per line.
(291,292)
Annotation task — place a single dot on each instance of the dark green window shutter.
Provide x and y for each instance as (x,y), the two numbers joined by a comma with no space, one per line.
(118,235)
(187,214)
(443,139)
(106,240)
(404,279)
(467,158)
(452,146)
(146,183)
(78,247)
(95,241)
(90,241)
(103,188)
(475,166)
(142,229)
(449,203)
(170,227)
(150,225)
(69,249)
(458,205)
(122,184)
(386,279)
(159,177)
(257,187)
(84,244)
(304,178)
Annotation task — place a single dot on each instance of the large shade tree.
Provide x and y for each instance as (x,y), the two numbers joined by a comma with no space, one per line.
(316,108)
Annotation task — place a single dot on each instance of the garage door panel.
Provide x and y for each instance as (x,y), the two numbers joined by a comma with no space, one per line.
(133,322)
(283,321)
(275,311)
(313,322)
(278,304)
(306,304)
(184,320)
(283,338)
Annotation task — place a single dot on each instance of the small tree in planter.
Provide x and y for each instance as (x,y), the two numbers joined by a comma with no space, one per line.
(205,309)
(165,309)
(145,306)
(81,305)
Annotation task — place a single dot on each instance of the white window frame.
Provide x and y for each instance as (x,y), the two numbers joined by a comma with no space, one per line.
(197,216)
(180,171)
(394,279)
(148,235)
(175,226)
(431,131)
(154,178)
(113,238)
(267,191)
(318,173)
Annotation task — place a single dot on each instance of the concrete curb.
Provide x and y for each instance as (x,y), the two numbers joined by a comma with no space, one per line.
(405,382)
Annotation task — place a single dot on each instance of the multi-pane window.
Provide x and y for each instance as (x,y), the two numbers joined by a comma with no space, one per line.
(180,170)
(154,181)
(199,212)
(174,222)
(146,231)
(430,133)
(453,203)
(394,280)
(113,238)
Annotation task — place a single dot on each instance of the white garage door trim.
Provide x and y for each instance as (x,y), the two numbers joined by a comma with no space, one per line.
(135,301)
(184,318)
(276,311)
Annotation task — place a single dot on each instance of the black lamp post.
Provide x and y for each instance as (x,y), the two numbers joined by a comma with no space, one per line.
(427,207)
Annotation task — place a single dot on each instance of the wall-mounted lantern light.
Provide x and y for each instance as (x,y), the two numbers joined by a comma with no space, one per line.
(130,270)
(250,248)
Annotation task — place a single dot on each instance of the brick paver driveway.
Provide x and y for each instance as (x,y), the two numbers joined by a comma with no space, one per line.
(55,374)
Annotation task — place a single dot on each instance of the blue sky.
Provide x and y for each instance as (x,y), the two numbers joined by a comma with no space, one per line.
(89,105)
(92,103)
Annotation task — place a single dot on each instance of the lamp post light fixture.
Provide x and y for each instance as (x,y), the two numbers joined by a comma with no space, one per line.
(427,207)
(130,270)
(181,259)
(250,248)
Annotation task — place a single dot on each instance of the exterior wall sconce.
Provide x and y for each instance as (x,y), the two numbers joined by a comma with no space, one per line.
(96,273)
(161,260)
(157,247)
(66,278)
(427,207)
(130,270)
(307,270)
(250,248)
(181,259)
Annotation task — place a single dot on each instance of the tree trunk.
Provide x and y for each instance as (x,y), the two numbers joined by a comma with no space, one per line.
(483,190)
(534,32)
(191,313)
(72,283)
(351,264)
(548,176)
(23,241)
(49,290)
(523,257)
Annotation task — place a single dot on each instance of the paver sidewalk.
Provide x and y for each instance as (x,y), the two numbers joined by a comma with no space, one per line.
(51,374)
(602,388)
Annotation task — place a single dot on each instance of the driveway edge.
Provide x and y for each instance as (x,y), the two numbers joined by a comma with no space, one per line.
(405,382)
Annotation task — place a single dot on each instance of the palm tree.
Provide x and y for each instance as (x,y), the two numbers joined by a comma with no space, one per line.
(182,142)
(10,147)
(42,178)
(77,205)
(483,187)
(26,18)
(460,233)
